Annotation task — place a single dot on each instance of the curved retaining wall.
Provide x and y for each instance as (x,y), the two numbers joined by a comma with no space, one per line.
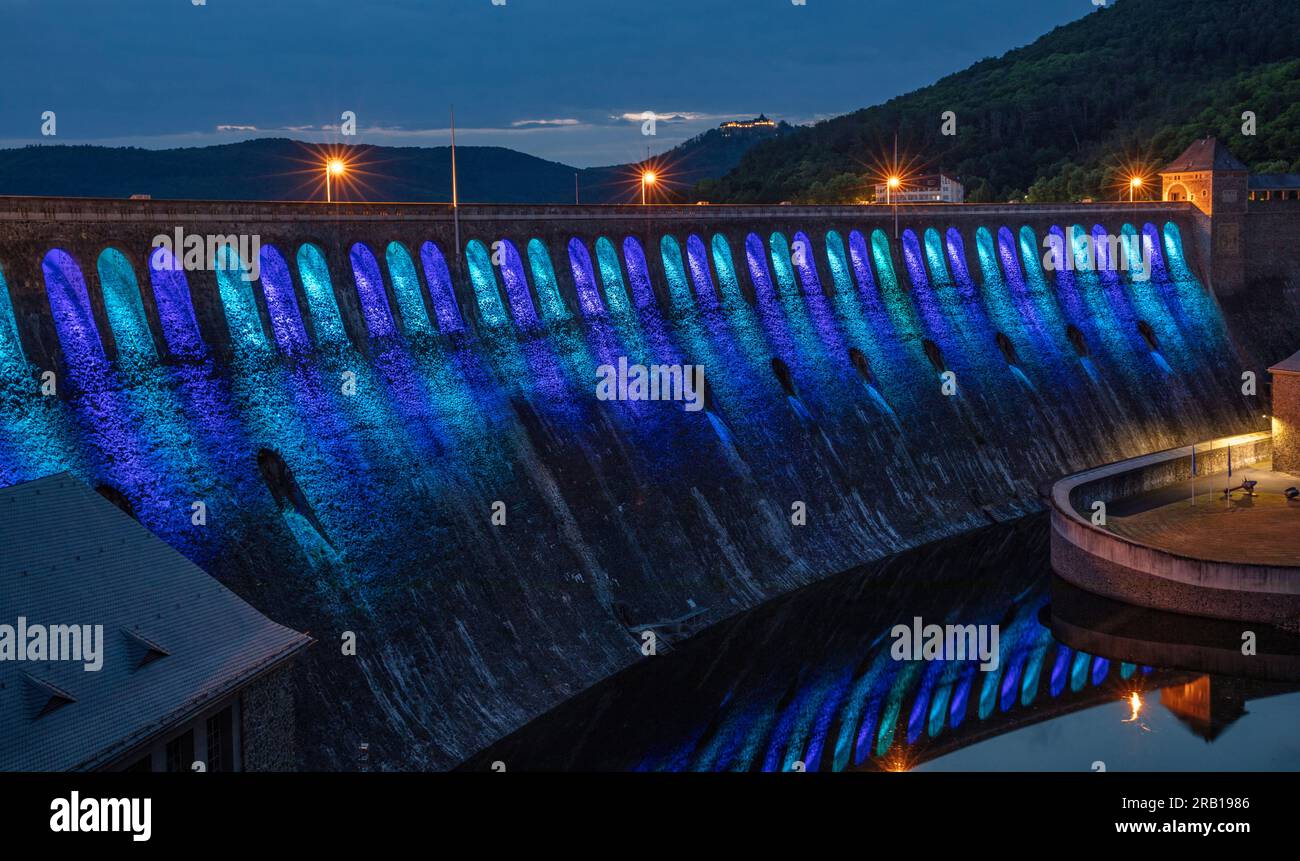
(1117,567)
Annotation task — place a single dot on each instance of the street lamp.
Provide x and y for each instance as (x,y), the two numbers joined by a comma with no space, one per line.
(890,184)
(647,179)
(334,167)
(1133,185)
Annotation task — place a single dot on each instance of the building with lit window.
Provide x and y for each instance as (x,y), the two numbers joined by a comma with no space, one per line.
(1274,186)
(930,188)
(118,653)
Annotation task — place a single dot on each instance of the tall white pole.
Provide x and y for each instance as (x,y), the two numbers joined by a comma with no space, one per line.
(455,195)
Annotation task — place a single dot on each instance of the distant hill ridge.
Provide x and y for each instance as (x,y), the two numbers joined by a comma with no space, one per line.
(282,169)
(1059,119)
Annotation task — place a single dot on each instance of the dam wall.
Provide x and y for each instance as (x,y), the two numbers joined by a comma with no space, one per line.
(393,437)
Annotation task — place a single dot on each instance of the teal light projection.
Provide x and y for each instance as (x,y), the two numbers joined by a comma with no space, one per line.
(406,287)
(124,309)
(321,303)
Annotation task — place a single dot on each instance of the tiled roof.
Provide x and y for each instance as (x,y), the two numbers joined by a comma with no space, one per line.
(68,556)
(1289,365)
(1204,154)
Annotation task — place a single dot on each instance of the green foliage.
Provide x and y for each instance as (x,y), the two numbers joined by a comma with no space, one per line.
(1065,117)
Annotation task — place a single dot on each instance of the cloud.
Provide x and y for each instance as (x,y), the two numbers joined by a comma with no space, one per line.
(522,124)
(676,116)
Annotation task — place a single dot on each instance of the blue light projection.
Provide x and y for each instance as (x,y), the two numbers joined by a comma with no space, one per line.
(516,284)
(760,275)
(838,263)
(679,291)
(122,306)
(406,287)
(282,304)
(611,275)
(805,263)
(446,421)
(482,275)
(781,265)
(242,319)
(697,257)
(438,279)
(584,279)
(73,319)
(171,296)
(322,304)
(638,273)
(732,297)
(371,292)
(548,291)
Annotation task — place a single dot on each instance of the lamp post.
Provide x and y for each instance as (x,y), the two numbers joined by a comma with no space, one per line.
(334,167)
(1133,185)
(647,179)
(890,184)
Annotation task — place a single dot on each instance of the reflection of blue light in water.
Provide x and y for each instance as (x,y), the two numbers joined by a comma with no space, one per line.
(371,292)
(679,292)
(858,698)
(171,293)
(548,293)
(406,287)
(438,279)
(1079,671)
(989,691)
(611,275)
(322,304)
(242,320)
(1029,687)
(516,284)
(1060,670)
(73,319)
(697,258)
(124,310)
(484,279)
(893,705)
(961,699)
(1007,697)
(938,710)
(584,279)
(282,304)
(638,273)
(732,296)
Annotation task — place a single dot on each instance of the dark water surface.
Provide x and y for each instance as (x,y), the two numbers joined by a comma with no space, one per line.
(808,682)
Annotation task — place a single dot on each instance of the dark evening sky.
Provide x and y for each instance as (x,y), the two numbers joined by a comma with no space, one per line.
(562,79)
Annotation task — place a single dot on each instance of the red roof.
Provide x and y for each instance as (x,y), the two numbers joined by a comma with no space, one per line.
(1205,154)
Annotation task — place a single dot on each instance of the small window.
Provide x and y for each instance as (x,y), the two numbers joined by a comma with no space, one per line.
(221,738)
(180,752)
